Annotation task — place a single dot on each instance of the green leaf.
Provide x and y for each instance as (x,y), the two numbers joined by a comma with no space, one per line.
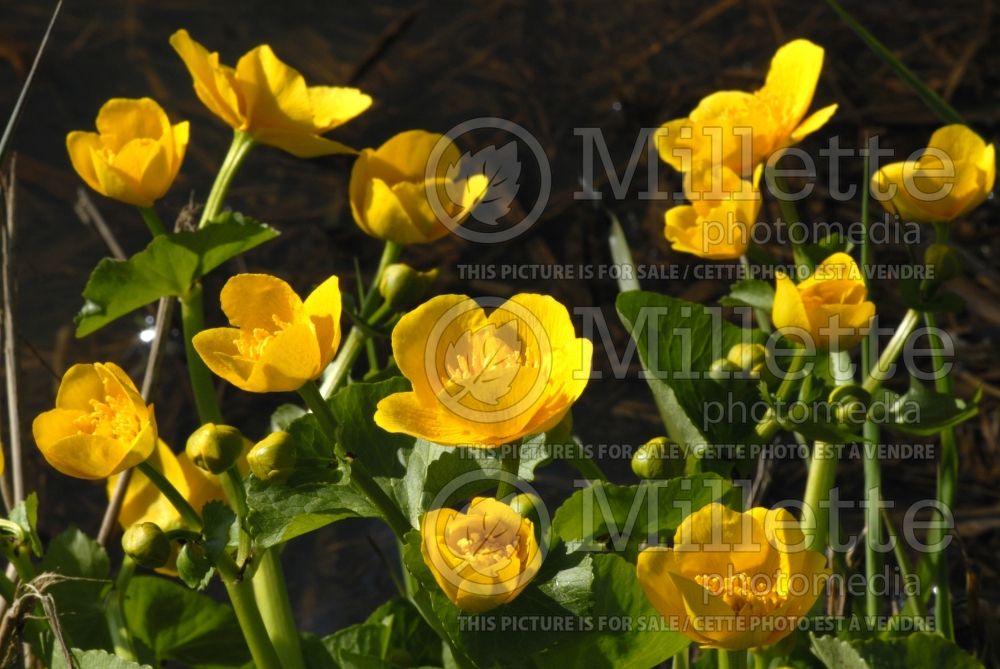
(219,520)
(95,659)
(921,410)
(194,567)
(285,415)
(80,598)
(835,653)
(412,642)
(750,293)
(167,266)
(25,514)
(184,626)
(607,516)
(677,342)
(353,407)
(627,630)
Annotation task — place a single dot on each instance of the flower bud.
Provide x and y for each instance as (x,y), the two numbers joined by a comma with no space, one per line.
(146,544)
(943,263)
(272,459)
(723,369)
(526,504)
(215,448)
(654,460)
(747,356)
(403,287)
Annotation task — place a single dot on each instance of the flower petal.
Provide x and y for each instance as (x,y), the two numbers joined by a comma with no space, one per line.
(323,306)
(258,300)
(213,82)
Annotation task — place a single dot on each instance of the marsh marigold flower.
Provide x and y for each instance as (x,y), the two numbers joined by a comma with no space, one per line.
(394,199)
(278,341)
(734,580)
(483,380)
(953,176)
(831,306)
(716,225)
(100,425)
(740,129)
(481,558)
(269,100)
(135,154)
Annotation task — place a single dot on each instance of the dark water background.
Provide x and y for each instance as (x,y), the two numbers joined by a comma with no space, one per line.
(551,66)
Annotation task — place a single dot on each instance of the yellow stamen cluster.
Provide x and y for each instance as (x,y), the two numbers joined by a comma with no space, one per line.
(744,594)
(486,552)
(114,417)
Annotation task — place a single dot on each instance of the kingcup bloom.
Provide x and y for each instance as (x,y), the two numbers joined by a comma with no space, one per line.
(278,342)
(483,380)
(953,176)
(740,129)
(734,580)
(269,100)
(145,503)
(830,307)
(135,154)
(716,225)
(100,425)
(481,558)
(395,198)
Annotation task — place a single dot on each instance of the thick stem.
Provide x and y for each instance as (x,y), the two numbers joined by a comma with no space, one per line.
(732,659)
(232,486)
(311,395)
(510,462)
(152,221)
(947,478)
(582,463)
(769,425)
(193,322)
(241,145)
(121,638)
(682,659)
(815,502)
(276,609)
(187,512)
(241,596)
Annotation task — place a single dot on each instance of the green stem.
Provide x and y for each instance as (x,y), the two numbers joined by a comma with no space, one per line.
(947,477)
(582,463)
(187,512)
(769,425)
(791,216)
(241,145)
(232,486)
(359,475)
(121,638)
(763,321)
(276,609)
(510,463)
(241,596)
(21,559)
(870,431)
(682,659)
(888,357)
(152,221)
(193,322)
(336,374)
(732,659)
(822,474)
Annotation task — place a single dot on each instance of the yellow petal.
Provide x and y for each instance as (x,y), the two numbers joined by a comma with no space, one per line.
(257,300)
(213,82)
(84,456)
(217,348)
(791,82)
(788,311)
(335,105)
(80,384)
(122,120)
(276,94)
(84,148)
(145,166)
(287,361)
(299,143)
(322,306)
(812,123)
(404,157)
(675,143)
(382,216)
(405,413)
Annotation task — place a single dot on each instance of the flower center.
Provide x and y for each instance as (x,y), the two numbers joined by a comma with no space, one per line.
(484,363)
(745,594)
(488,552)
(113,417)
(252,343)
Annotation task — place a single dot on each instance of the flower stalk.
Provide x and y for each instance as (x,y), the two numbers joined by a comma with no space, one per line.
(238,150)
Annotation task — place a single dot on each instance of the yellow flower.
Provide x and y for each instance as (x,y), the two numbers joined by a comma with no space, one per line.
(145,503)
(734,580)
(279,341)
(740,129)
(394,199)
(717,223)
(831,306)
(135,154)
(482,558)
(100,425)
(485,381)
(269,100)
(952,177)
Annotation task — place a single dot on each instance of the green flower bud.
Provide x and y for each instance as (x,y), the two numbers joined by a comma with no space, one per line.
(656,459)
(526,504)
(215,448)
(147,544)
(403,287)
(747,356)
(723,369)
(272,459)
(943,263)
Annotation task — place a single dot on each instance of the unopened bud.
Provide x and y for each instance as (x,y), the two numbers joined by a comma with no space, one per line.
(402,287)
(723,369)
(272,459)
(657,459)
(146,544)
(215,448)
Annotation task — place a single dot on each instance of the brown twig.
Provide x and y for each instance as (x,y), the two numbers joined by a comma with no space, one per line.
(7,236)
(88,213)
